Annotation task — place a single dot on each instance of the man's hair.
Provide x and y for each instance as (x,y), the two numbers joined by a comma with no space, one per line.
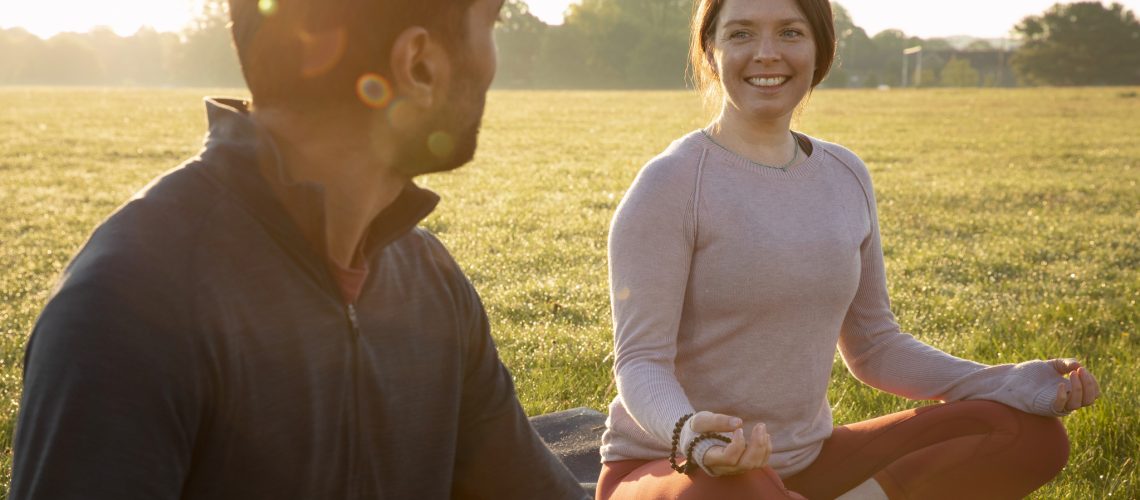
(353,37)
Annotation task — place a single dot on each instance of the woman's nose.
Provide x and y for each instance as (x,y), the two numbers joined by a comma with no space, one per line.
(767,51)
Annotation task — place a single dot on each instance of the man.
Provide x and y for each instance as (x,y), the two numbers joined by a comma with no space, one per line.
(266,321)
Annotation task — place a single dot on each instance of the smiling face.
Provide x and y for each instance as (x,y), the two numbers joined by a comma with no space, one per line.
(765,57)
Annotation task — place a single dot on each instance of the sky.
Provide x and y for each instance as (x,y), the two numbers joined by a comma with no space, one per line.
(923,18)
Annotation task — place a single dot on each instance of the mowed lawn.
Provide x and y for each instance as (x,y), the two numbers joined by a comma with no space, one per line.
(1010,219)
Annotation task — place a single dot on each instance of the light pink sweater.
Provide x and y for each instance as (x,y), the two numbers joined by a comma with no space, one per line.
(733,283)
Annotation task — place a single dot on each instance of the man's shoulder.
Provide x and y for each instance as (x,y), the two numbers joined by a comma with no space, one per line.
(430,255)
(148,237)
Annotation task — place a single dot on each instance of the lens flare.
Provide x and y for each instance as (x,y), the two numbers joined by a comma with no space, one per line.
(441,144)
(322,51)
(267,7)
(374,91)
(400,114)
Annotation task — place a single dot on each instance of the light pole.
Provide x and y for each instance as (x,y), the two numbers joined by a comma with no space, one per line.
(917,49)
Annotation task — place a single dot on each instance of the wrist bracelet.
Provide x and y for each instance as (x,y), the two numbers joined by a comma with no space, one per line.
(691,463)
(676,442)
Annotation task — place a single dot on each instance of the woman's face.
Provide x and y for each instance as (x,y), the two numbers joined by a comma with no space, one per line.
(764,54)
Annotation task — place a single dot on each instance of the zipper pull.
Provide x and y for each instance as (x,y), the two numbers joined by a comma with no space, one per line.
(353,321)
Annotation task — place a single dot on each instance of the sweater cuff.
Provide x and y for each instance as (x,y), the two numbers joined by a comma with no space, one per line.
(1043,373)
(1043,403)
(703,447)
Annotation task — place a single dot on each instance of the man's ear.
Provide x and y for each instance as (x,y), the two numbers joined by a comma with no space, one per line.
(420,66)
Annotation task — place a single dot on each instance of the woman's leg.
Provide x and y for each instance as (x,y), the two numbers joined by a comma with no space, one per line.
(655,479)
(966,449)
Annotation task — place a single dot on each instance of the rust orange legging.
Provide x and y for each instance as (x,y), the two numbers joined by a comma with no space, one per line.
(966,449)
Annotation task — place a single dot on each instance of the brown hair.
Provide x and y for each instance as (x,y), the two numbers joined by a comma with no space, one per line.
(703,27)
(271,35)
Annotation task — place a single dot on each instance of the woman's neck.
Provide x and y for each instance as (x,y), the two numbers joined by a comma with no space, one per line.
(767,143)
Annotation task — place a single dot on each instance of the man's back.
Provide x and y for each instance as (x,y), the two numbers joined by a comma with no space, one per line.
(198,348)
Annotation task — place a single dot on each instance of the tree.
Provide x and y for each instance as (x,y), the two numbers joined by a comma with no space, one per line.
(1082,43)
(18,49)
(207,56)
(618,43)
(959,73)
(980,45)
(856,58)
(519,39)
(65,59)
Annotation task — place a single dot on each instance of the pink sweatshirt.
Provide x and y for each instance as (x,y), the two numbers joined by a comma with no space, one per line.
(732,285)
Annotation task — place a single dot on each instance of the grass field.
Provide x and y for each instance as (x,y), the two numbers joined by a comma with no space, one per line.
(1011,227)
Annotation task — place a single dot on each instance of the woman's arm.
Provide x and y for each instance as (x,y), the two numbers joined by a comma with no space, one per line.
(650,250)
(879,354)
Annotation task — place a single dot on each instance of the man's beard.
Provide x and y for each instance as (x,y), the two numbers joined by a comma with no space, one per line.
(448,139)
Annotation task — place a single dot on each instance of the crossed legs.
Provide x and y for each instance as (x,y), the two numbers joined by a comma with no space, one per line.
(966,449)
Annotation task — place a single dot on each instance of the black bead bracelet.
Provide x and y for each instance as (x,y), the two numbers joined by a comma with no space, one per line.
(690,464)
(677,442)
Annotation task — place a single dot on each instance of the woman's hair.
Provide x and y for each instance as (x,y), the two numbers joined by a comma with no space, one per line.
(705,14)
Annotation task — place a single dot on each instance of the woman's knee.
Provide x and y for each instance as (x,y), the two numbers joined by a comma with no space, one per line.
(1041,443)
(1048,442)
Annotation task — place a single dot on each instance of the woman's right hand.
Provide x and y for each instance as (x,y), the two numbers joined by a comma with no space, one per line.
(741,454)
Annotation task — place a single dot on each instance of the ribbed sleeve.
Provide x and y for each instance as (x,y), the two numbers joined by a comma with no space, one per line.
(650,249)
(879,354)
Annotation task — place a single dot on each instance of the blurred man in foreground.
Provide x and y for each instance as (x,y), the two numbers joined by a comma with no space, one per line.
(267,321)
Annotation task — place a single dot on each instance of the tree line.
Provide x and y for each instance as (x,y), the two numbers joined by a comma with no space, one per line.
(639,44)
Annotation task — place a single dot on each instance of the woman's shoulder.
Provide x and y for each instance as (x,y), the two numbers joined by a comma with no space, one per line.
(841,154)
(676,162)
(837,152)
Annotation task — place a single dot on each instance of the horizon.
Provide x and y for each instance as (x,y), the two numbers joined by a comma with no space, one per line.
(925,20)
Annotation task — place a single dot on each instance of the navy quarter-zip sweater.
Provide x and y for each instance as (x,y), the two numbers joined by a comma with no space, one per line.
(198,347)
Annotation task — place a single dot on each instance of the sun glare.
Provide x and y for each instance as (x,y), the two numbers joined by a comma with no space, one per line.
(125,17)
(550,11)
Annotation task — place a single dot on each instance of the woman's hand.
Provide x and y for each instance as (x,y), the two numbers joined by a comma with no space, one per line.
(740,455)
(1083,388)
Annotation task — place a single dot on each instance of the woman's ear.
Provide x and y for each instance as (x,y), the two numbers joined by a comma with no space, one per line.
(419,67)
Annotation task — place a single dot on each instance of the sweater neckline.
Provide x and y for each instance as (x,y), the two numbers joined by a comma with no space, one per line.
(806,169)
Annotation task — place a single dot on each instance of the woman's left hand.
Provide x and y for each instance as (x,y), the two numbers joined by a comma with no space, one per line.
(1083,388)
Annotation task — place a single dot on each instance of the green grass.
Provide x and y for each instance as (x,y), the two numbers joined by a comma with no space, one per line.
(1010,224)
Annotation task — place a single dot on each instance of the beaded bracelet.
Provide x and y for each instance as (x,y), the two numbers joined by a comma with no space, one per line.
(676,442)
(689,462)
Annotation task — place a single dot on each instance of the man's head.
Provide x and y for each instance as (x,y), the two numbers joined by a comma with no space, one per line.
(418,69)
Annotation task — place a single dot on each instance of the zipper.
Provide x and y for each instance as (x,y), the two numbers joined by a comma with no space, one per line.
(353,322)
(354,461)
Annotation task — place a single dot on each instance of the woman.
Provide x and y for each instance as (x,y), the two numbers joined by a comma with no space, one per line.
(740,258)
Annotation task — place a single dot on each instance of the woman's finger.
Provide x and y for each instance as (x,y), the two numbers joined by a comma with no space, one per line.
(753,456)
(707,421)
(1076,391)
(1065,366)
(767,444)
(1062,398)
(1090,386)
(723,459)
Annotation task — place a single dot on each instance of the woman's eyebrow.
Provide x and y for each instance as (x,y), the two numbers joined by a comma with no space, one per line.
(749,22)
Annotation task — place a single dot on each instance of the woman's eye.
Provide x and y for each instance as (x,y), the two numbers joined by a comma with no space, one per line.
(736,35)
(791,34)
